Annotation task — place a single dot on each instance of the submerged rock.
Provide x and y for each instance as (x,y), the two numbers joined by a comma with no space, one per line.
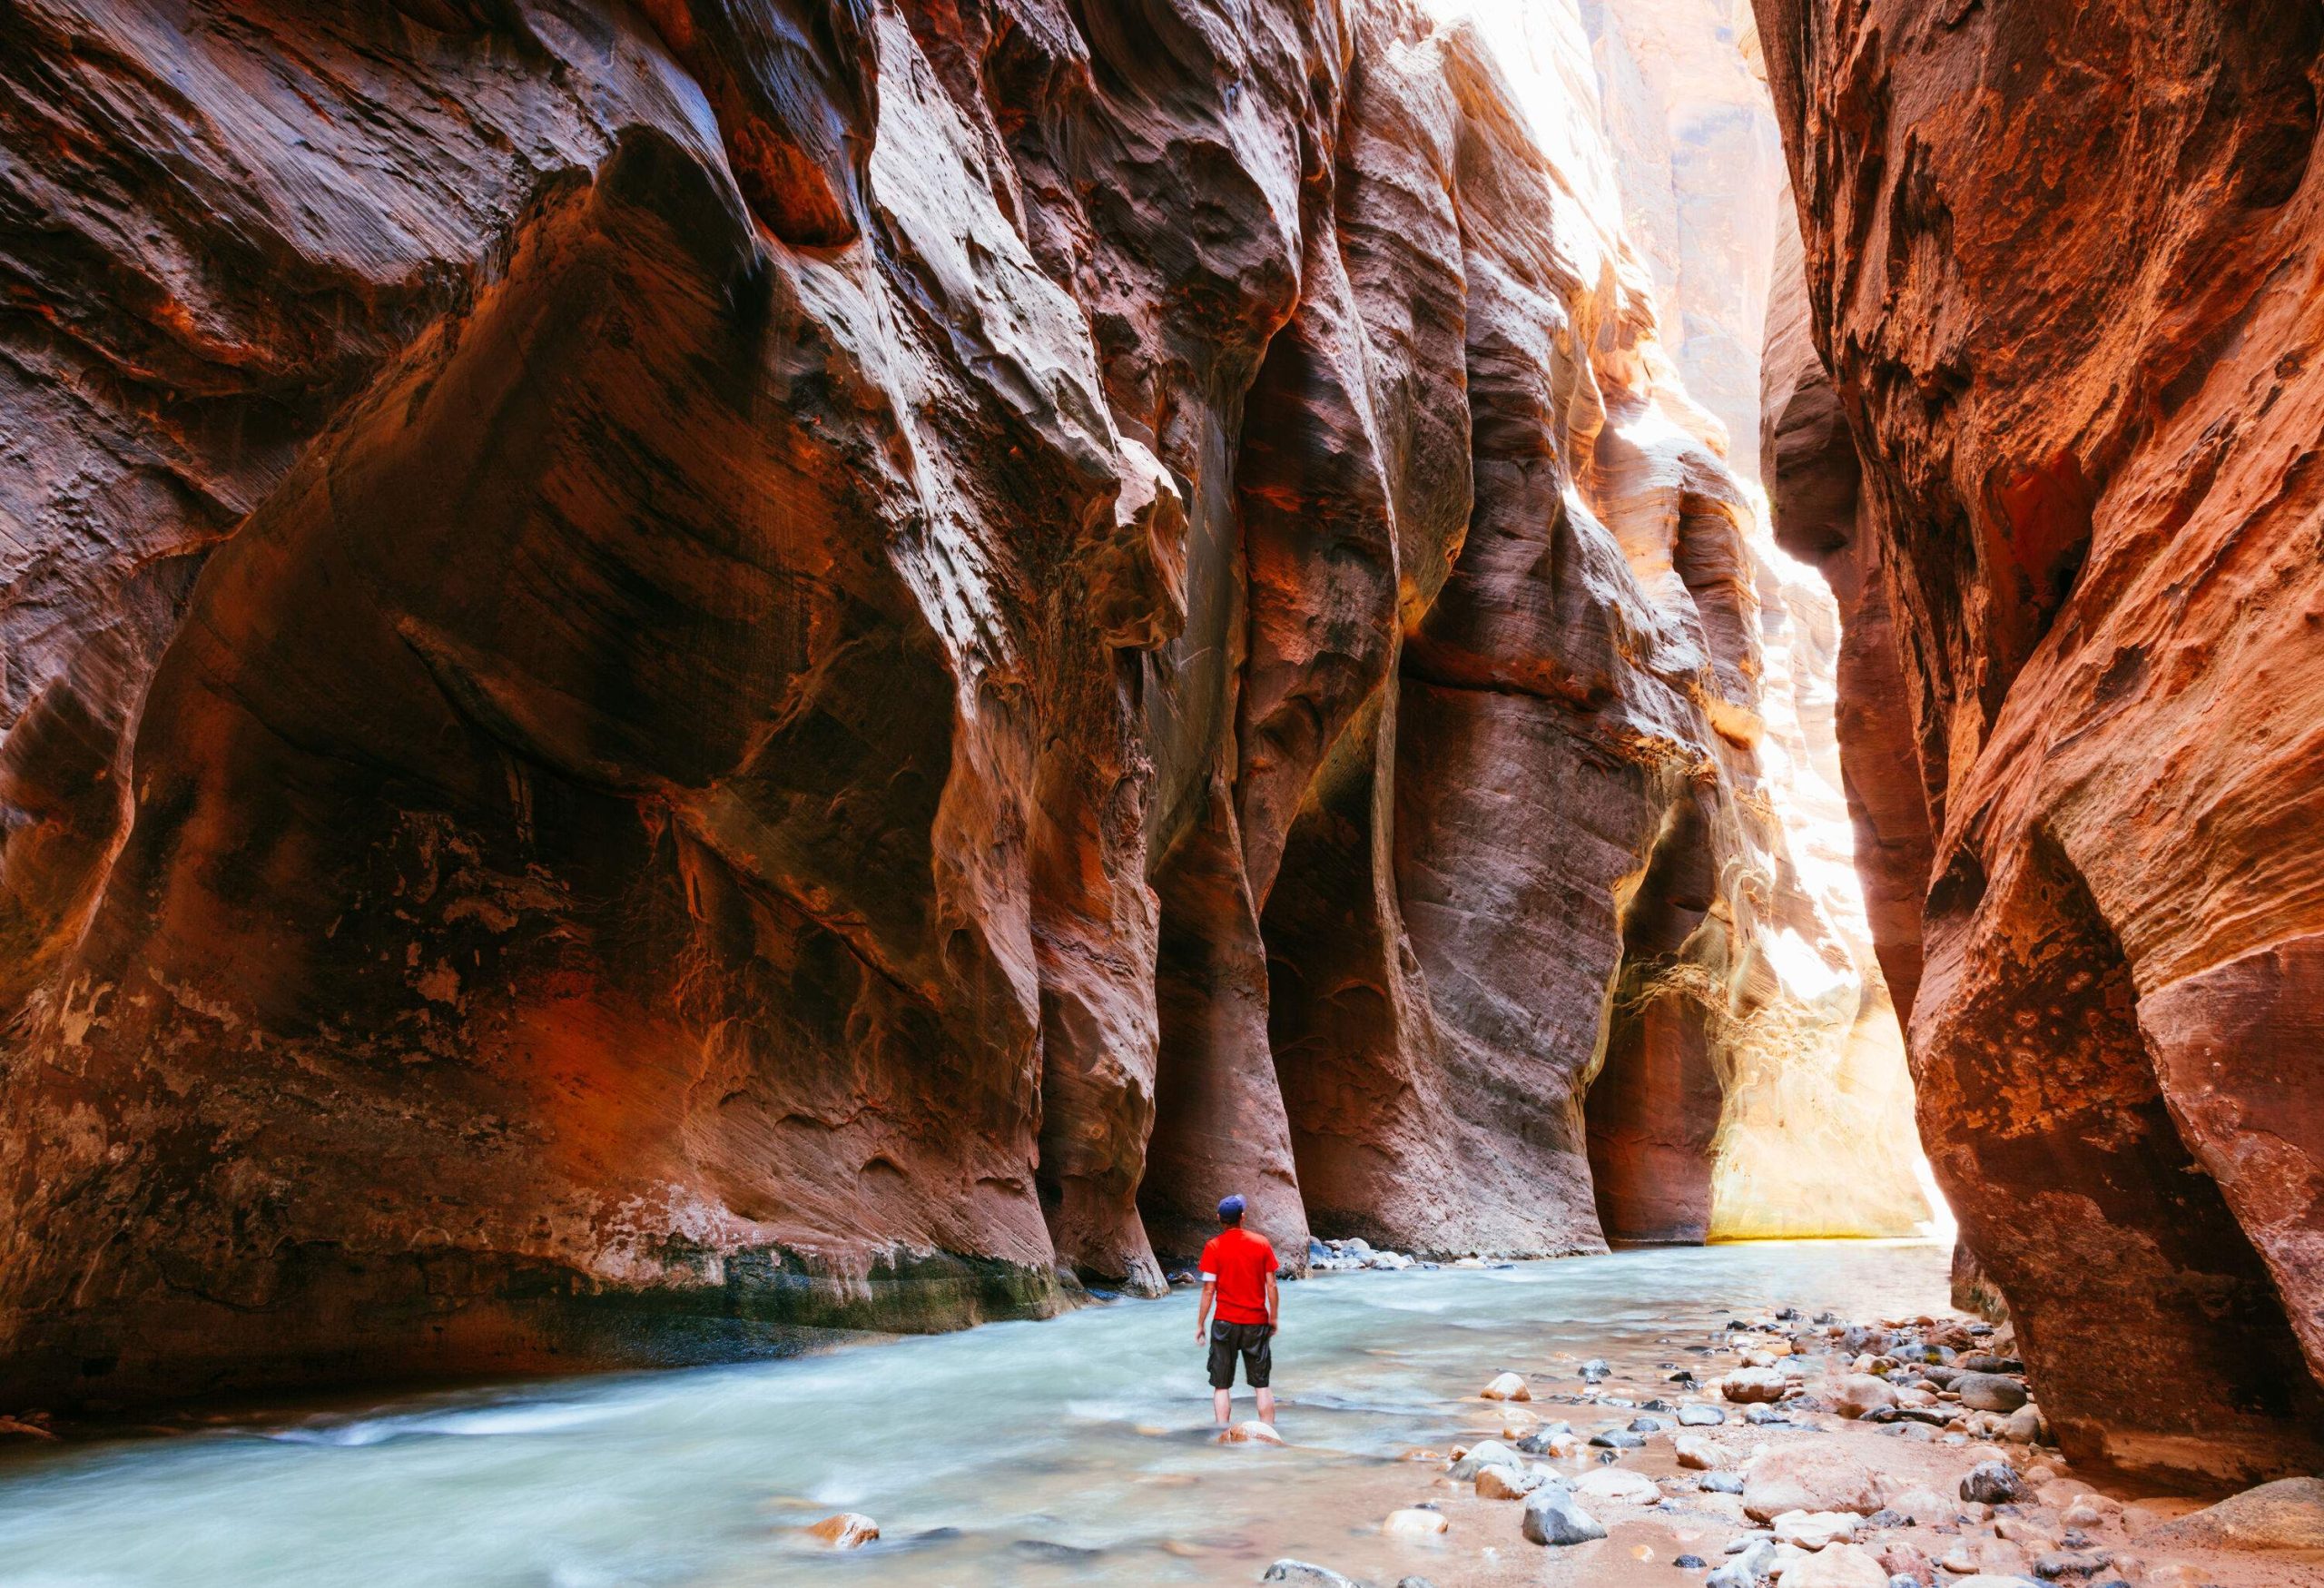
(1306,1575)
(847,1530)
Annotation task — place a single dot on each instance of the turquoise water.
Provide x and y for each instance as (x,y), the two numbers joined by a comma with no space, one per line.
(1071,1451)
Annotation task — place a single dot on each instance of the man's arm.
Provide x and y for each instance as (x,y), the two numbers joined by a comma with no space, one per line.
(1274,1299)
(1202,1313)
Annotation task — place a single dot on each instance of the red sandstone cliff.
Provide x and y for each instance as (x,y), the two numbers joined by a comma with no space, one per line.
(680,667)
(2061,265)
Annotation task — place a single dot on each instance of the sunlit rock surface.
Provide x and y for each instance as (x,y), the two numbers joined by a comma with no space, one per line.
(2061,264)
(673,673)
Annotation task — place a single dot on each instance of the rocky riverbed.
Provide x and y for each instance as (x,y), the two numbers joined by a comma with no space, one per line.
(1897,1451)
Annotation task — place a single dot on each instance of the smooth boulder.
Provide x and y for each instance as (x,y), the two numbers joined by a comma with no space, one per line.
(1844,1565)
(2286,1515)
(1808,1478)
(1413,1522)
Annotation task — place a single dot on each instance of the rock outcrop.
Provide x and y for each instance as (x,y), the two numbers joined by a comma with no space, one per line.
(2061,265)
(683,670)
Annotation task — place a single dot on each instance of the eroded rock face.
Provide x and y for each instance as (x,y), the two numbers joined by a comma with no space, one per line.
(676,670)
(2061,265)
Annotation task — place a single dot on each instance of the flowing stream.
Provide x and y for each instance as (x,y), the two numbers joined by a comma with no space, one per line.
(1073,1451)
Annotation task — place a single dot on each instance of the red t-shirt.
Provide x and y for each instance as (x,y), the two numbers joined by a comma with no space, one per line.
(1240,1262)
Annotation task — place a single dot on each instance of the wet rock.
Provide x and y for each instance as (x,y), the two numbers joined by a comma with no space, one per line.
(1414,1522)
(1553,1516)
(1507,1386)
(1992,1483)
(1701,1416)
(1650,1425)
(1690,1563)
(1723,1483)
(1250,1432)
(1808,1478)
(2286,1515)
(1617,1439)
(1595,1370)
(847,1530)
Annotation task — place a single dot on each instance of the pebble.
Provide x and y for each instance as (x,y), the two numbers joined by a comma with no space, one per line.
(1507,1386)
(1989,1392)
(1992,1483)
(1306,1575)
(847,1530)
(1484,1453)
(1701,1416)
(1552,1516)
(1650,1425)
(1595,1369)
(1617,1439)
(1813,1530)
(1506,1483)
(1723,1483)
(1858,1393)
(1414,1523)
(1754,1385)
(1747,1569)
(1614,1483)
(1696,1453)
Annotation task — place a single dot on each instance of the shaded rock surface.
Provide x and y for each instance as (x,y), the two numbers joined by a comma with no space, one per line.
(2060,264)
(672,673)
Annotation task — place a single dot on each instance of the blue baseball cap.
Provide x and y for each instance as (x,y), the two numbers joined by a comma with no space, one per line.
(1230,1207)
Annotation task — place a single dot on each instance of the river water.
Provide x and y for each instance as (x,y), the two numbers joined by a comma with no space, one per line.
(1075,1451)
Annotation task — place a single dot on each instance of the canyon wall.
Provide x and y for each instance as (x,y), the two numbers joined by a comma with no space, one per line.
(2058,457)
(682,671)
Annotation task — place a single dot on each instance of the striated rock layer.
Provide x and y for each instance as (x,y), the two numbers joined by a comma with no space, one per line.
(2061,266)
(678,670)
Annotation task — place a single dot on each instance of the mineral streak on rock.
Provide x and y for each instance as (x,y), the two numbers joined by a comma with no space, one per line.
(678,672)
(2061,265)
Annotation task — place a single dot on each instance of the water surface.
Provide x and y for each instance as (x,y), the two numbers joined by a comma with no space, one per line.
(1074,1451)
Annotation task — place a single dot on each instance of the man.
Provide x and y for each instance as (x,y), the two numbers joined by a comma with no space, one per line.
(1238,1278)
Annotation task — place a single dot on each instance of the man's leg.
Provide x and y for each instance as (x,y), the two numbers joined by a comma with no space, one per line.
(1222,1372)
(1258,1371)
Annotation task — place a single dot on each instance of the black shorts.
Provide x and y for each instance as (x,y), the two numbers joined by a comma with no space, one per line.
(1253,1341)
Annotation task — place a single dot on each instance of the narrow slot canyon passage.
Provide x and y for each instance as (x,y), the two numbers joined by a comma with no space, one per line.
(742,740)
